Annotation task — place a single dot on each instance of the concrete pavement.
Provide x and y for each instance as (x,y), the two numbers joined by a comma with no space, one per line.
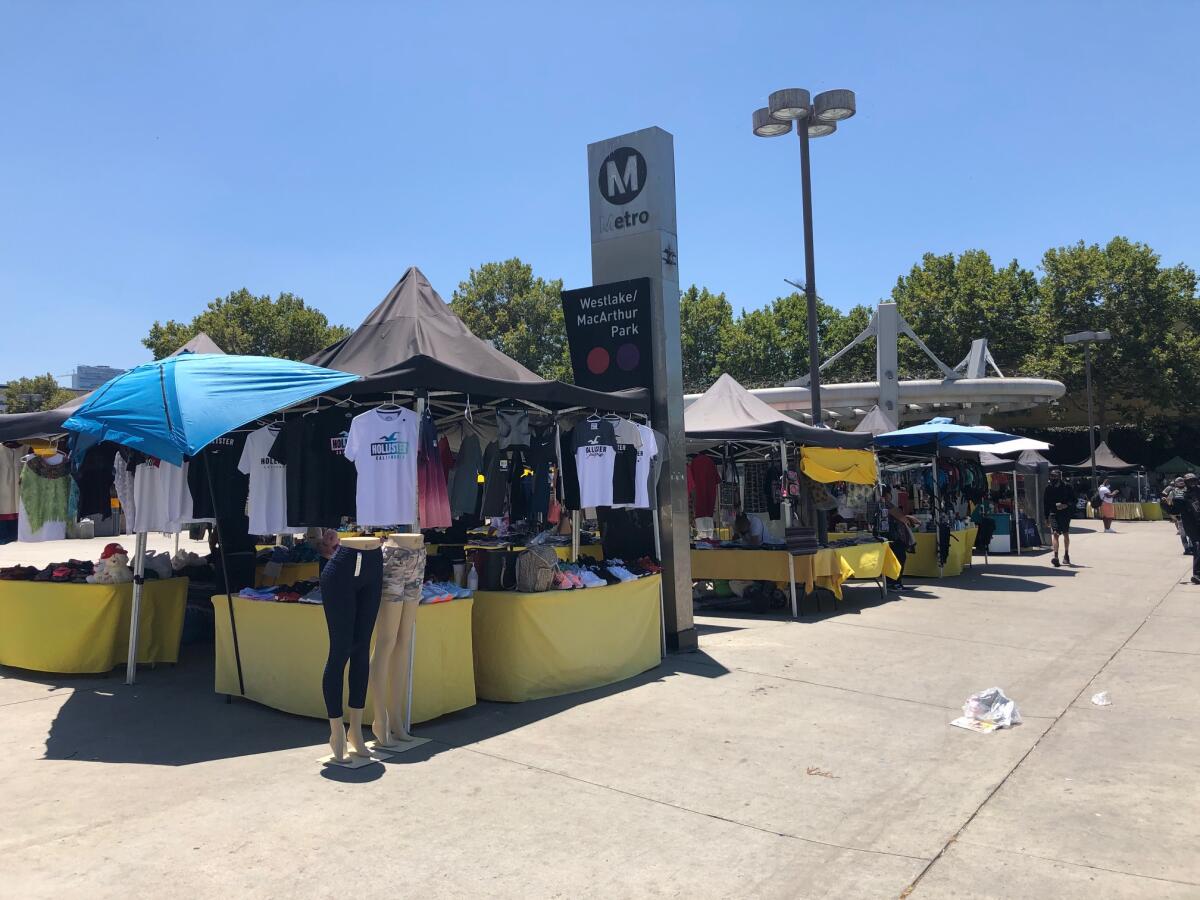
(786,759)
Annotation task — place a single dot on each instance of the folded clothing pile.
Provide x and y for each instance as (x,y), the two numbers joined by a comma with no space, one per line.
(588,572)
(73,571)
(802,541)
(300,592)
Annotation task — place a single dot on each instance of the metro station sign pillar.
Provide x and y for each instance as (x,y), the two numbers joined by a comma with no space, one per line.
(631,186)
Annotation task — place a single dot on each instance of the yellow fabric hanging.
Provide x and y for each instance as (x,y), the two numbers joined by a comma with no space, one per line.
(829,464)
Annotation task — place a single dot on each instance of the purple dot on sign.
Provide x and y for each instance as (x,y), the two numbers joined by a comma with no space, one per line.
(628,357)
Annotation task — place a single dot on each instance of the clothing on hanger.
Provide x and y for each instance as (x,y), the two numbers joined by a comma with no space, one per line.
(432,496)
(45,494)
(464,480)
(321,483)
(512,428)
(382,444)
(219,459)
(594,448)
(162,499)
(268,482)
(703,482)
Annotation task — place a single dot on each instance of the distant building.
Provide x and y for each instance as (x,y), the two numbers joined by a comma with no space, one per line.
(88,378)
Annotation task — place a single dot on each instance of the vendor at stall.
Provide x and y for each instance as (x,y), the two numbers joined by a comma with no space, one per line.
(749,529)
(897,528)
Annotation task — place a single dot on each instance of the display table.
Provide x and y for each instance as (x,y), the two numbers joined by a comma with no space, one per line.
(289,573)
(872,562)
(284,646)
(923,563)
(828,568)
(84,628)
(529,646)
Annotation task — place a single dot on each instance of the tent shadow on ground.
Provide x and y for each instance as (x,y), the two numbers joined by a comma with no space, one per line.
(173,717)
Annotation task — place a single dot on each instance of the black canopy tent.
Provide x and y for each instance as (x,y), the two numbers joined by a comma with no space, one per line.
(413,341)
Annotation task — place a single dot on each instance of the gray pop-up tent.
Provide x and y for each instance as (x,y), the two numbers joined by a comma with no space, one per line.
(413,341)
(729,412)
(1106,461)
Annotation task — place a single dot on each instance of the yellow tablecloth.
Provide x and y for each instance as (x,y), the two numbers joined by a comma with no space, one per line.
(289,573)
(923,563)
(84,628)
(284,646)
(1132,512)
(871,560)
(529,646)
(828,568)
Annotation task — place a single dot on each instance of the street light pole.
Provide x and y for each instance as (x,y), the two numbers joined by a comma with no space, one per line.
(810,286)
(1087,366)
(1087,338)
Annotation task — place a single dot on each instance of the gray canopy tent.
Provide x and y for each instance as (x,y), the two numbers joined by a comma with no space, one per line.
(1028,463)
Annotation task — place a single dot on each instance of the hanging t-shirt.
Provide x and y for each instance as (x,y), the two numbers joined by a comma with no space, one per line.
(321,482)
(644,465)
(95,480)
(221,459)
(162,500)
(383,448)
(595,445)
(703,480)
(268,482)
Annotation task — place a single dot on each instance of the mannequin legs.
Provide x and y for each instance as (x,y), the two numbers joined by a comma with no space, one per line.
(351,603)
(387,633)
(400,664)
(337,739)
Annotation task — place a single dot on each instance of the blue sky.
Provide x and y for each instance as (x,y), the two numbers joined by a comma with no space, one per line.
(154,156)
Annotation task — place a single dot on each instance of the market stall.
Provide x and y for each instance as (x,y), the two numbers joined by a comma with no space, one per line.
(729,419)
(939,487)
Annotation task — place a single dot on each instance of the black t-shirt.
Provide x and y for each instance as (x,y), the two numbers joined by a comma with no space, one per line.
(1055,494)
(95,480)
(321,482)
(231,486)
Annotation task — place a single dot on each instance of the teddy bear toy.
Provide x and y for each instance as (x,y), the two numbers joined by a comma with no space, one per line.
(112,569)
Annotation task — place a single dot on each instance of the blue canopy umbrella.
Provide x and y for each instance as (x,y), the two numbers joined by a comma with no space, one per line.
(942,432)
(175,407)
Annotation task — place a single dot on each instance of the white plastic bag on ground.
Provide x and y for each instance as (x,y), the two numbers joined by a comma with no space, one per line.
(992,705)
(1102,699)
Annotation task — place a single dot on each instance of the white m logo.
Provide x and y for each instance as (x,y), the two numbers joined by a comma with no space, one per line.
(627,182)
(622,175)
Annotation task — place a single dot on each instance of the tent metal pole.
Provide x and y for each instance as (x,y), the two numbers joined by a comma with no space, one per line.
(1016,512)
(662,611)
(135,612)
(212,495)
(937,525)
(787,523)
(575,521)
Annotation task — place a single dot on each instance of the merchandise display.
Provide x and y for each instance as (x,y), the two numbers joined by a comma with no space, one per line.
(382,444)
(320,479)
(268,482)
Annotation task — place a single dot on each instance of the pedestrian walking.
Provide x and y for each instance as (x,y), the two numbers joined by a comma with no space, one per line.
(1171,497)
(1108,506)
(1058,501)
(1187,507)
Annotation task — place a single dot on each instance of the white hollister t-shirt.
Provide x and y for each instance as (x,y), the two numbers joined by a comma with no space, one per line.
(595,445)
(268,483)
(383,448)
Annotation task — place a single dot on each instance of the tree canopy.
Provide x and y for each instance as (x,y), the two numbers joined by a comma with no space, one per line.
(520,313)
(34,394)
(255,325)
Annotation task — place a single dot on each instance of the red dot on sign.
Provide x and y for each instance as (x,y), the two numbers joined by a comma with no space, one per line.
(597,361)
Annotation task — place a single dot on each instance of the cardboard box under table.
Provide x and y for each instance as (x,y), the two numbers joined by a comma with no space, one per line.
(84,628)
(284,647)
(825,568)
(529,646)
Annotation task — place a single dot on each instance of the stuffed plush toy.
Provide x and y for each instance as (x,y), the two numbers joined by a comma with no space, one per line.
(113,569)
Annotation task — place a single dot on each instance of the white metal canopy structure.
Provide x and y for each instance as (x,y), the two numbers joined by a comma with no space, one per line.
(966,392)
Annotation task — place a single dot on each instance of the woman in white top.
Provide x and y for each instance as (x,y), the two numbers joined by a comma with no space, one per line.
(1108,510)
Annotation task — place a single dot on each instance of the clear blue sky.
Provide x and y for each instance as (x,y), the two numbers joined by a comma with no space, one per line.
(156,155)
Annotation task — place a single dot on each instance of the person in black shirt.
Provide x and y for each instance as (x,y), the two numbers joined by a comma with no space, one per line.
(1187,508)
(1058,501)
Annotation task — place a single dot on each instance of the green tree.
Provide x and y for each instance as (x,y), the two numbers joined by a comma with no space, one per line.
(258,326)
(35,393)
(522,314)
(768,347)
(949,301)
(1150,370)
(704,320)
